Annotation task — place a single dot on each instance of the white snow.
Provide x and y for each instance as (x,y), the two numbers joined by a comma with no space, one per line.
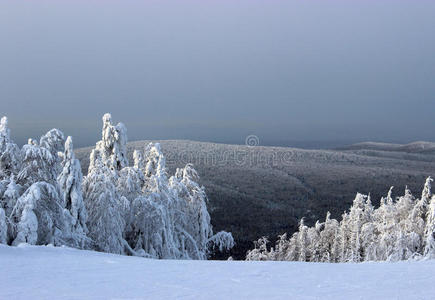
(44,272)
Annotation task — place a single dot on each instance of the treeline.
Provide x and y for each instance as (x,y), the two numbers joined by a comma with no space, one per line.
(117,208)
(399,229)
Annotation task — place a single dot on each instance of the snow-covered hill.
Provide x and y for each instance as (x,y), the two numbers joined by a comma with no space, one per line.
(415,147)
(39,272)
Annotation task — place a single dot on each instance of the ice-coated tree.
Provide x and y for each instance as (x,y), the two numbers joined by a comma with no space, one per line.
(197,220)
(10,154)
(326,239)
(162,203)
(194,222)
(103,204)
(304,254)
(53,140)
(156,177)
(222,240)
(418,215)
(40,217)
(138,160)
(130,183)
(70,182)
(39,164)
(10,195)
(260,251)
(3,227)
(113,145)
(152,233)
(155,162)
(27,228)
(282,248)
(429,250)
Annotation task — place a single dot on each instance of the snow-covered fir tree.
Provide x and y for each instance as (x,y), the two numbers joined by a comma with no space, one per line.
(397,230)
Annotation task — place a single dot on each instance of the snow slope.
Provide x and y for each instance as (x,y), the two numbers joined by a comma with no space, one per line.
(39,272)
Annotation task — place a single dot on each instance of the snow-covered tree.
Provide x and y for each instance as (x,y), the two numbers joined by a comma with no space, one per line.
(222,240)
(418,215)
(40,217)
(10,195)
(260,251)
(104,207)
(429,231)
(326,239)
(194,221)
(10,155)
(70,182)
(138,160)
(27,228)
(38,164)
(3,227)
(152,231)
(53,140)
(130,182)
(113,145)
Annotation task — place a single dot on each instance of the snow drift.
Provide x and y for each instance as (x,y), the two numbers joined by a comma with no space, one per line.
(40,272)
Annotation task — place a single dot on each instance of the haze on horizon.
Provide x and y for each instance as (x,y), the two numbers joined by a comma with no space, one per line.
(220,70)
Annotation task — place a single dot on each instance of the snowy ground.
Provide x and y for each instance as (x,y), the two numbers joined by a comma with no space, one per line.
(37,272)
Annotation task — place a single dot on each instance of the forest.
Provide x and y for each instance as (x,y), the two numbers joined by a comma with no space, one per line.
(399,229)
(117,208)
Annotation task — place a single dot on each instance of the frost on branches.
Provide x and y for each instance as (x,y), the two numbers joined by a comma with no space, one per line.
(400,229)
(133,210)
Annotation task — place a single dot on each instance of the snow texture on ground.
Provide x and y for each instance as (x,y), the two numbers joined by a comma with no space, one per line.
(39,272)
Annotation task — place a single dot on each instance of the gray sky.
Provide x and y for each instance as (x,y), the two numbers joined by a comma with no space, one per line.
(220,70)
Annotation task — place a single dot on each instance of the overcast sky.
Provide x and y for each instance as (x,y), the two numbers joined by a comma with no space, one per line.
(220,70)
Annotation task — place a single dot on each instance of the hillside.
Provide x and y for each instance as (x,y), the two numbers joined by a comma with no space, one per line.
(40,272)
(256,191)
(415,147)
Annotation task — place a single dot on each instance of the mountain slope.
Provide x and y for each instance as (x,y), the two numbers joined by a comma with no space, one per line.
(415,147)
(39,272)
(256,191)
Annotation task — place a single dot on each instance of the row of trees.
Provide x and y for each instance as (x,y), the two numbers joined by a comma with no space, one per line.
(117,208)
(399,229)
